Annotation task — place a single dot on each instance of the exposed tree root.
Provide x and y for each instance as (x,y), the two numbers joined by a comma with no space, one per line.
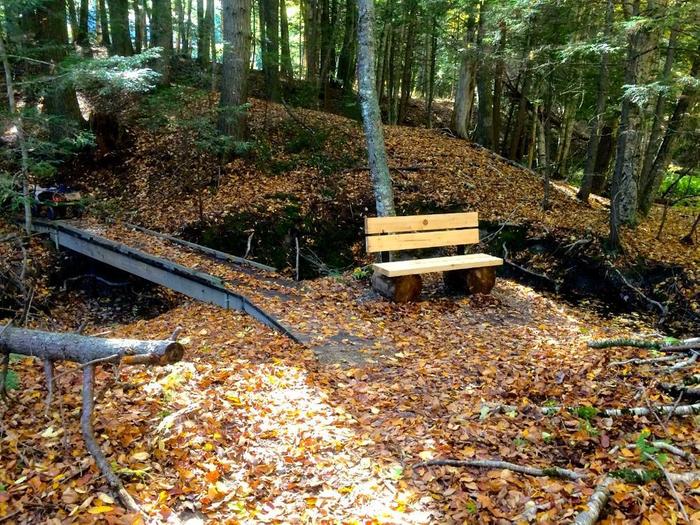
(553,472)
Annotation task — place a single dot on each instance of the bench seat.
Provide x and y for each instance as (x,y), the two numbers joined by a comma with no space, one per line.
(436,264)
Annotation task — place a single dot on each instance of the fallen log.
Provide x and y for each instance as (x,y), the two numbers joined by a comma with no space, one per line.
(56,346)
(89,352)
(663,346)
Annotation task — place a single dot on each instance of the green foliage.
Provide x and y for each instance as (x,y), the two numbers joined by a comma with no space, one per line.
(636,477)
(585,413)
(12,380)
(114,75)
(362,273)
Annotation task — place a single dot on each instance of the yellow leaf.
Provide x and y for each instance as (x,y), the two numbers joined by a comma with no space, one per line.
(140,456)
(104,498)
(425,455)
(100,509)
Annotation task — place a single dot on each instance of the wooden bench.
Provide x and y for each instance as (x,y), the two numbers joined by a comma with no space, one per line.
(401,280)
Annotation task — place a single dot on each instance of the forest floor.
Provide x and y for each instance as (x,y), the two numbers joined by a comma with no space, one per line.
(252,427)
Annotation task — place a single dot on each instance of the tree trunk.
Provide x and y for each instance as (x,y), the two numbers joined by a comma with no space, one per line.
(104,24)
(84,349)
(655,136)
(462,104)
(73,18)
(498,84)
(431,74)
(139,27)
(188,31)
(21,139)
(606,149)
(162,36)
(119,21)
(284,35)
(674,126)
(565,142)
(371,117)
(521,114)
(346,72)
(589,173)
(312,22)
(234,82)
(83,37)
(484,81)
(60,99)
(180,12)
(204,43)
(623,206)
(202,39)
(271,49)
(407,72)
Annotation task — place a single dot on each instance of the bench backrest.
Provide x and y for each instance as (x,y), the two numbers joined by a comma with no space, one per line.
(411,232)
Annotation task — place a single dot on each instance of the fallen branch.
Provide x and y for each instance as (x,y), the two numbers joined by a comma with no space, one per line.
(671,449)
(526,270)
(89,352)
(682,410)
(662,308)
(685,363)
(676,390)
(84,349)
(671,486)
(552,472)
(664,346)
(638,361)
(596,503)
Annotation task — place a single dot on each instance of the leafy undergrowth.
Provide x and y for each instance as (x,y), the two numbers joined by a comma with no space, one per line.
(250,427)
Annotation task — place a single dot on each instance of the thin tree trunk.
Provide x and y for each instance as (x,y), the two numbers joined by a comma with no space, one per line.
(312,22)
(73,18)
(180,11)
(82,36)
(139,27)
(674,126)
(271,49)
(234,81)
(205,33)
(407,72)
(287,70)
(521,114)
(484,125)
(431,74)
(188,31)
(202,40)
(371,117)
(21,139)
(498,84)
(104,24)
(346,72)
(589,173)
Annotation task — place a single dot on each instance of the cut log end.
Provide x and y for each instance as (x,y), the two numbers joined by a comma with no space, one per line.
(470,281)
(402,289)
(172,353)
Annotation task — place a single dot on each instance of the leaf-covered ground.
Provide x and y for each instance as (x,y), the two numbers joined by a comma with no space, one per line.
(251,427)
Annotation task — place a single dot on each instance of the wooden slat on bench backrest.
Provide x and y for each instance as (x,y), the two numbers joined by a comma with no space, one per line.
(419,223)
(412,241)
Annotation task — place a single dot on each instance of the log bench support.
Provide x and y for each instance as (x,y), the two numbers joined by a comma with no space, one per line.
(404,289)
(401,281)
(470,281)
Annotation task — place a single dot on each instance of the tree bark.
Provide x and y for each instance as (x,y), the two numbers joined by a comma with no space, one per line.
(287,70)
(655,136)
(463,99)
(119,22)
(431,73)
(139,27)
(84,349)
(407,72)
(73,19)
(521,113)
(104,24)
(346,60)
(234,82)
(484,81)
(403,289)
(82,37)
(371,117)
(60,99)
(271,49)
(673,128)
(312,22)
(498,83)
(162,36)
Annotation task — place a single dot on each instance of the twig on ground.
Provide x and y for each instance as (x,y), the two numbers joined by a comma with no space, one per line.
(682,410)
(638,361)
(685,363)
(662,308)
(92,446)
(668,416)
(48,371)
(671,449)
(671,486)
(553,472)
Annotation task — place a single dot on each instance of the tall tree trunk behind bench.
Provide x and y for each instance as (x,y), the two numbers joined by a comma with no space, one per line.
(371,117)
(104,23)
(119,25)
(162,36)
(270,56)
(234,82)
(286,61)
(484,81)
(463,99)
